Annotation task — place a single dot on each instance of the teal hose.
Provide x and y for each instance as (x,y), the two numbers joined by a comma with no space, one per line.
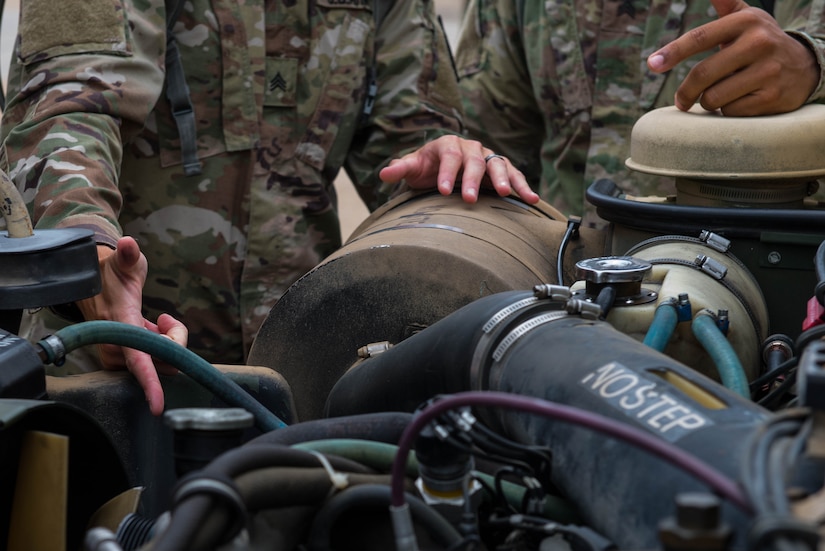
(722,353)
(122,334)
(380,455)
(661,328)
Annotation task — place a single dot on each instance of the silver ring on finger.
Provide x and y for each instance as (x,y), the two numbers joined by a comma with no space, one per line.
(492,156)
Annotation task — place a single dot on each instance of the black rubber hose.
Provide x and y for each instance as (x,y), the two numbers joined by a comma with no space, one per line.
(289,486)
(774,374)
(273,488)
(200,515)
(196,516)
(605,300)
(819,266)
(383,427)
(570,233)
(436,361)
(543,352)
(606,196)
(259,456)
(372,495)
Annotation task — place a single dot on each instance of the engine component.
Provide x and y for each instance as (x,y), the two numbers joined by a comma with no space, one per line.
(417,259)
(94,471)
(748,179)
(706,274)
(445,481)
(732,161)
(54,348)
(202,434)
(48,268)
(621,276)
(516,343)
(22,374)
(144,444)
(595,419)
(696,525)
(42,267)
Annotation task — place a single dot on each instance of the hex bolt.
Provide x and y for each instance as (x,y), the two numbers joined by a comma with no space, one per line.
(697,511)
(696,525)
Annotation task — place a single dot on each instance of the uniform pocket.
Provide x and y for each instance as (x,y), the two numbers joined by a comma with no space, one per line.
(334,82)
(314,95)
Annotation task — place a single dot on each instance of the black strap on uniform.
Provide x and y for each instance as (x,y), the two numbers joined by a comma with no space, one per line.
(380,8)
(177,92)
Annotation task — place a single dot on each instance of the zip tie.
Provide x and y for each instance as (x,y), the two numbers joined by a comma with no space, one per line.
(339,481)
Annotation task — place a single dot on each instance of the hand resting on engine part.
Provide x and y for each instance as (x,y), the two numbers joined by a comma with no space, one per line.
(759,68)
(451,157)
(123,272)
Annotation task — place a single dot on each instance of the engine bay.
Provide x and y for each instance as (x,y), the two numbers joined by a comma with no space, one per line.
(491,376)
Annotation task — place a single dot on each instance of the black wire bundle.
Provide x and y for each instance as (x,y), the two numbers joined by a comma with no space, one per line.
(482,442)
(528,466)
(782,379)
(774,451)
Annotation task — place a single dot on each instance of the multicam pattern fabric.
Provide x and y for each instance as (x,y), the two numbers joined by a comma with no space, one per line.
(278,89)
(558,88)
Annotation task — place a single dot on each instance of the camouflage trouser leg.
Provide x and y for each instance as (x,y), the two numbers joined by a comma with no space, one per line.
(37,324)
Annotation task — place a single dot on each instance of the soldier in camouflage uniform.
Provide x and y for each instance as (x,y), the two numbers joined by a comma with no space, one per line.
(283,95)
(557,86)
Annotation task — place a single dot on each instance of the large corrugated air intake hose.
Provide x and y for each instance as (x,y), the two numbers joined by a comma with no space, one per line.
(517,343)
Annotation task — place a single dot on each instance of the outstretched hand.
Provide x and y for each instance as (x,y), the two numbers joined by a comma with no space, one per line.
(442,161)
(758,70)
(123,272)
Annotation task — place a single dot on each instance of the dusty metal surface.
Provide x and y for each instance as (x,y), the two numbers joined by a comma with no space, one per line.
(410,264)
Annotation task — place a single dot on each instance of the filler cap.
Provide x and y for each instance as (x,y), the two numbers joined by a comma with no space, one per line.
(612,269)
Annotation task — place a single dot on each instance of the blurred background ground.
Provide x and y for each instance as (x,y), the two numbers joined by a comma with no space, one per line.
(351,207)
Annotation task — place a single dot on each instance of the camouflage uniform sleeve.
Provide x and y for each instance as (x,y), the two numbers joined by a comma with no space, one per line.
(84,78)
(495,84)
(416,98)
(805,21)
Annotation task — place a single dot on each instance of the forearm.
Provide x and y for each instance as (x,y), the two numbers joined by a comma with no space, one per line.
(71,108)
(805,21)
(817,47)
(69,176)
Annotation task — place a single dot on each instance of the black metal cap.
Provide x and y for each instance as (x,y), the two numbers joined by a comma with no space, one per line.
(47,268)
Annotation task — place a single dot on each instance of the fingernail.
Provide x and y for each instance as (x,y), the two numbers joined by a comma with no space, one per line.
(471,192)
(656,61)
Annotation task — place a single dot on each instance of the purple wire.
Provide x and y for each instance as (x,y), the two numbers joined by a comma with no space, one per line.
(717,481)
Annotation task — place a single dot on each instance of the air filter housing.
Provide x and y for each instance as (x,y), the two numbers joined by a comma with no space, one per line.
(732,161)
